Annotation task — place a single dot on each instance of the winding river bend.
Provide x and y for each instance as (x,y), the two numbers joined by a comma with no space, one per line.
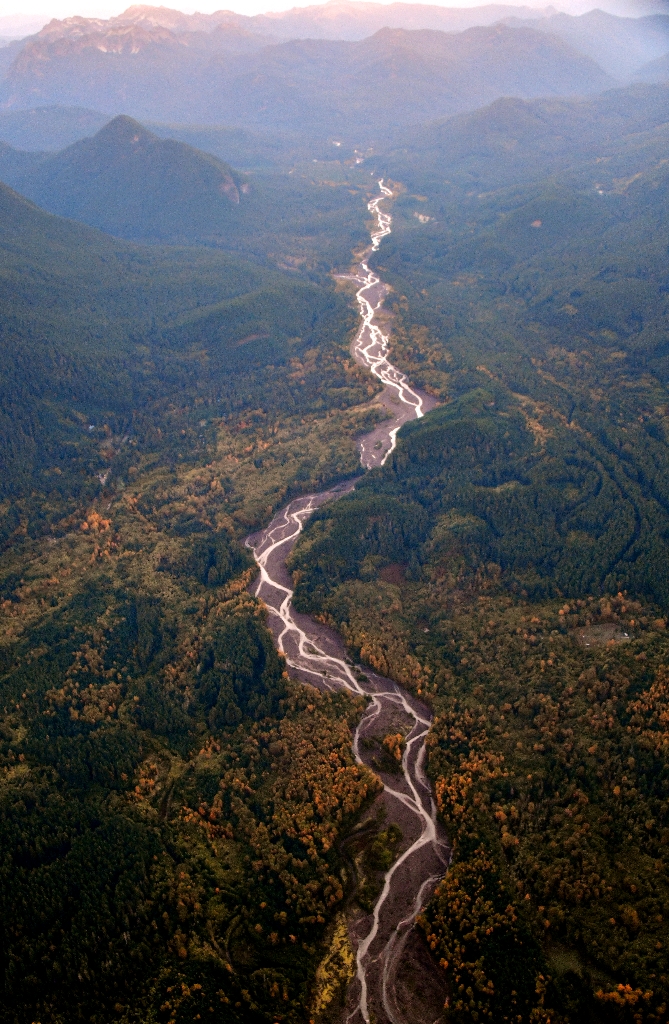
(395,981)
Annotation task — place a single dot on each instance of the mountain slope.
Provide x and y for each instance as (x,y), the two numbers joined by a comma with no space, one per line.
(96,329)
(127,181)
(571,271)
(155,404)
(398,76)
(655,71)
(135,185)
(514,141)
(621,46)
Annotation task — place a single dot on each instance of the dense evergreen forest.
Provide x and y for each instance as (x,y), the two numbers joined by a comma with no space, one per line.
(113,352)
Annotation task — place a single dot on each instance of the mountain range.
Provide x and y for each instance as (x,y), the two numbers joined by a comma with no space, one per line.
(621,46)
(343,69)
(352,20)
(134,184)
(336,19)
(320,87)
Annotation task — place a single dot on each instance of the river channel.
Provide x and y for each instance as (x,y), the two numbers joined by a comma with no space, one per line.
(395,980)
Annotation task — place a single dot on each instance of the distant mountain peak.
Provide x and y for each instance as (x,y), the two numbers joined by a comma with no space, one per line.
(124,142)
(123,129)
(78,34)
(142,10)
(166,17)
(131,183)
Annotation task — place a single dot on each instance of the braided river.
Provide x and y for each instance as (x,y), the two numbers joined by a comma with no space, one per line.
(395,980)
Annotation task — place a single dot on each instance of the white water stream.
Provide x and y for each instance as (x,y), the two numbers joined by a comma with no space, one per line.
(370,347)
(317,655)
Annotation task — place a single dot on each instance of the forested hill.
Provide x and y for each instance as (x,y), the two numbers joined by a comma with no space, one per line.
(132,184)
(107,345)
(129,182)
(515,141)
(571,271)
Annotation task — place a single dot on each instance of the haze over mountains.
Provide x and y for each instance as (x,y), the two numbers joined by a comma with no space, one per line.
(43,128)
(621,46)
(394,77)
(329,70)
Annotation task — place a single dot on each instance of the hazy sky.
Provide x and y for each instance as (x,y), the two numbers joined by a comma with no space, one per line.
(105,8)
(48,9)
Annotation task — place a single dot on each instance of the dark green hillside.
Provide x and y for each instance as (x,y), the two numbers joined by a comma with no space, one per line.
(546,305)
(96,332)
(484,483)
(554,296)
(449,570)
(513,141)
(127,181)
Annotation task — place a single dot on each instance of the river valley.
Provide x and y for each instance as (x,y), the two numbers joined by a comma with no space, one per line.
(395,980)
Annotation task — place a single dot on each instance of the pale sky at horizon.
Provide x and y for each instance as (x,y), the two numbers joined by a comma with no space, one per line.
(47,9)
(105,9)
